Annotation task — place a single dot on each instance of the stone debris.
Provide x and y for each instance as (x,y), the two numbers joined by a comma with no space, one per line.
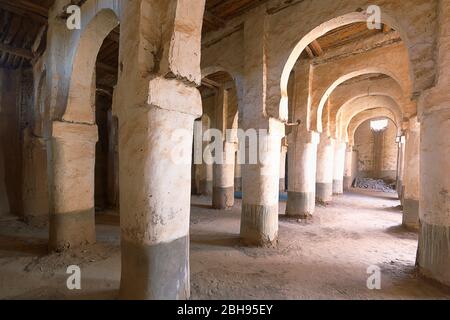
(374,184)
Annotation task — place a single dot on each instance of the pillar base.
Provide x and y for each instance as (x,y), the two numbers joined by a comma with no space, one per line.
(301,204)
(324,192)
(155,272)
(433,257)
(223,197)
(411,214)
(259,225)
(71,230)
(338,187)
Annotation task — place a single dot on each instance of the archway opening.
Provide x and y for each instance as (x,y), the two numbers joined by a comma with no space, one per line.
(376,155)
(215,138)
(106,158)
(337,43)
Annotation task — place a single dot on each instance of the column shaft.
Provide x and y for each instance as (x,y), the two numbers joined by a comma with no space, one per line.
(400,167)
(283,168)
(223,190)
(324,175)
(260,182)
(72,214)
(434,206)
(338,169)
(348,168)
(411,177)
(237,175)
(302,174)
(155,176)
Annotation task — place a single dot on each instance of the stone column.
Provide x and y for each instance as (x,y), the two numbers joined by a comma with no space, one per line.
(158,102)
(260,182)
(434,204)
(302,173)
(411,176)
(400,166)
(206,173)
(283,168)
(223,190)
(197,157)
(434,201)
(237,175)
(325,165)
(338,168)
(261,178)
(206,168)
(155,174)
(348,168)
(72,213)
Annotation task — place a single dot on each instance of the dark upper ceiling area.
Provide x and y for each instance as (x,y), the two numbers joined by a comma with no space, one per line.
(22,31)
(219,12)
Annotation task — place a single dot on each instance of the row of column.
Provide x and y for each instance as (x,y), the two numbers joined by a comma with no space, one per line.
(316,166)
(409,151)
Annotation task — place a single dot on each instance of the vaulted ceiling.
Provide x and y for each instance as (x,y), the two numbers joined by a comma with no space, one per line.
(23,25)
(342,36)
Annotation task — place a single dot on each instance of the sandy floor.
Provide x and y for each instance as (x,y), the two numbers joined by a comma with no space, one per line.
(323,259)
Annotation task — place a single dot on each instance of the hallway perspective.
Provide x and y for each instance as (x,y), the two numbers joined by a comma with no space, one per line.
(224,149)
(326,258)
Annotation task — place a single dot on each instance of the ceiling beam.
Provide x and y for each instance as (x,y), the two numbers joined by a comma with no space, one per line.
(26,5)
(210,83)
(20,52)
(316,48)
(38,40)
(309,52)
(23,12)
(213,20)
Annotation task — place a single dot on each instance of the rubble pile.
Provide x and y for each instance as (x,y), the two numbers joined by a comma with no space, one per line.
(374,184)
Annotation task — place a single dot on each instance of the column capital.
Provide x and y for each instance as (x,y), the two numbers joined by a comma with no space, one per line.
(174,95)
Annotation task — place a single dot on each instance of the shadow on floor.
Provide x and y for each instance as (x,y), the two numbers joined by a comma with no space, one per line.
(23,245)
(397,209)
(219,240)
(372,193)
(201,206)
(401,232)
(107,219)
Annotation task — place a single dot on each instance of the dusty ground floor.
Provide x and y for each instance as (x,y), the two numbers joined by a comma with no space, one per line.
(326,258)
